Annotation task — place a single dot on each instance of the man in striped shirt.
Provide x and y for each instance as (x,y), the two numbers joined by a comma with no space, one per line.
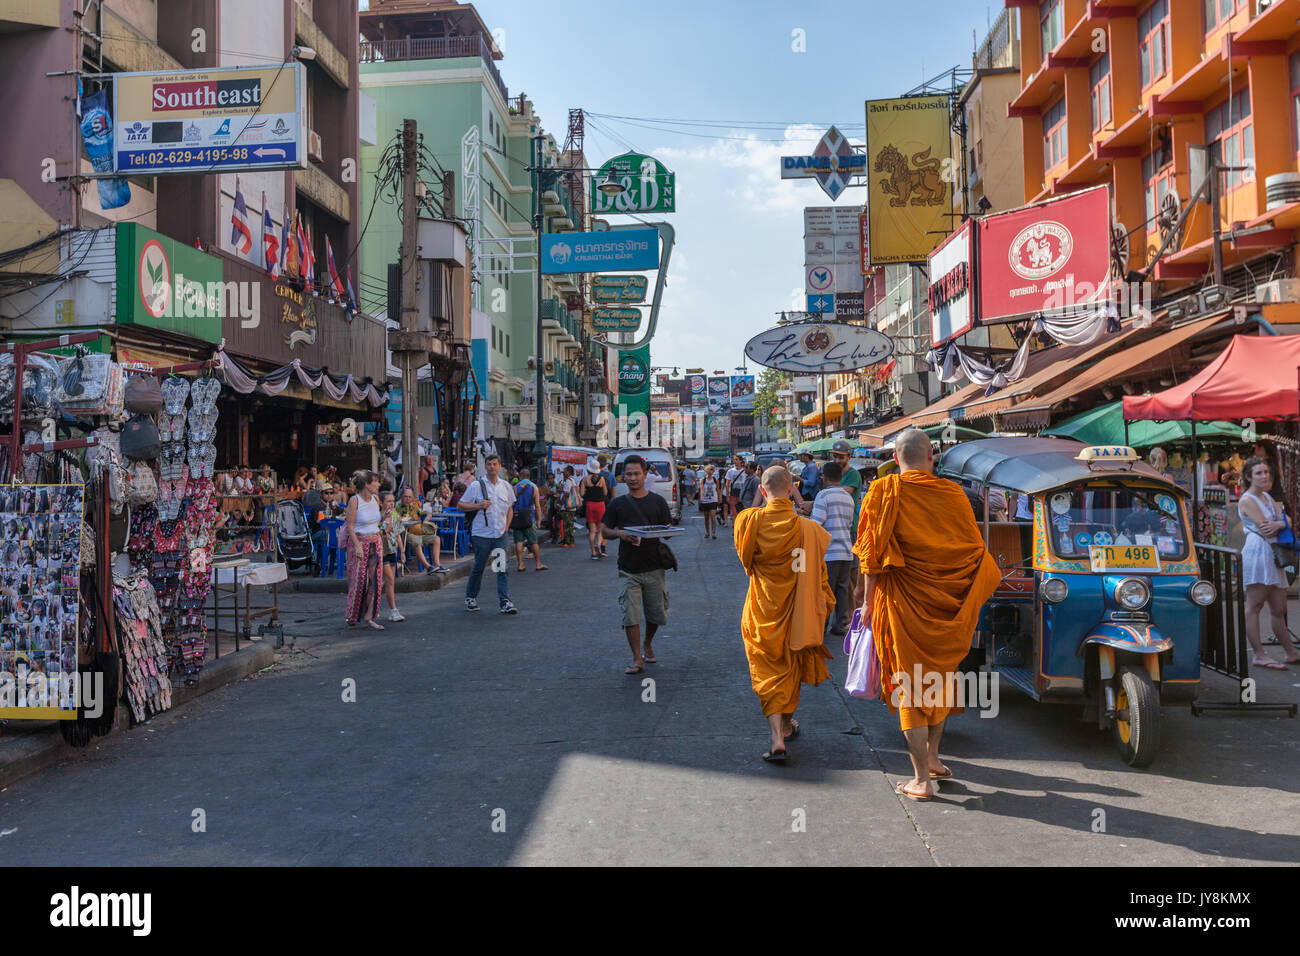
(833,510)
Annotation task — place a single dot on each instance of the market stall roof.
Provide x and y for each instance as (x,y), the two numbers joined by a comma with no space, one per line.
(1104,425)
(1254,377)
(1030,465)
(1124,365)
(821,444)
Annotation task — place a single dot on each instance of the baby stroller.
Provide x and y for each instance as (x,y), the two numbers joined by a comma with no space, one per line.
(293,536)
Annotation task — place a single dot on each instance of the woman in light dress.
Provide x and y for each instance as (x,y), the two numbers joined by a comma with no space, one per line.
(1266,584)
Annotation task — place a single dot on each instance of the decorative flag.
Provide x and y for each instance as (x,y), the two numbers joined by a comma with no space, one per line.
(198,243)
(241,237)
(270,244)
(308,257)
(335,282)
(284,243)
(352,296)
(292,260)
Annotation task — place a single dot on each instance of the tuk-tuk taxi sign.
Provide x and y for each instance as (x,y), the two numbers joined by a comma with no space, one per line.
(1108,455)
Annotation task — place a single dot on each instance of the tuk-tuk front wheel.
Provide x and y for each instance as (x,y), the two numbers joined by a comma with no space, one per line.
(1136,728)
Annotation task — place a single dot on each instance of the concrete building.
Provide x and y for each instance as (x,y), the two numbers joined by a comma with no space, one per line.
(437,63)
(79,270)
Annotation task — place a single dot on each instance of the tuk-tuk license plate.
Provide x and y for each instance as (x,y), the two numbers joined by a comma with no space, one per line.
(1124,557)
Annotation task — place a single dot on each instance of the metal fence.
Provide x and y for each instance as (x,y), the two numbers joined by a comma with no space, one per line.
(1223,626)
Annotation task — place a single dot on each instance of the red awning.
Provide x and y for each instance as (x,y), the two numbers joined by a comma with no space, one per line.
(1255,377)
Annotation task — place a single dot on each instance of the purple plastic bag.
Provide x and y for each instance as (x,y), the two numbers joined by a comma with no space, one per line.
(863,679)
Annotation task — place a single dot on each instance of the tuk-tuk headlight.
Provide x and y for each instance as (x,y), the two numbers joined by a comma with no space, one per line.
(1054,590)
(1132,594)
(1203,593)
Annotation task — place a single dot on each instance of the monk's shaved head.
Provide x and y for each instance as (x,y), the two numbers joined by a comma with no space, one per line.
(777,481)
(912,448)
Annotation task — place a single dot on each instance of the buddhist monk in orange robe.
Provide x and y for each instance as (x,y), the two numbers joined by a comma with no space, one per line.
(787,605)
(927,574)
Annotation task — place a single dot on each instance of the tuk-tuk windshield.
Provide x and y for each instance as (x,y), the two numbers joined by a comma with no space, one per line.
(1087,515)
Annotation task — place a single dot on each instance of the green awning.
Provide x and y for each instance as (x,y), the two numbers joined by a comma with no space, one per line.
(1104,425)
(820,445)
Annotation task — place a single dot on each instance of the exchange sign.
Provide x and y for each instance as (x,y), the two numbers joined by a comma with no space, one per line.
(219,120)
(648,186)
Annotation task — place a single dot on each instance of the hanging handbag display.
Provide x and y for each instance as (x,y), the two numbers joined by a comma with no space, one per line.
(139,485)
(139,439)
(143,395)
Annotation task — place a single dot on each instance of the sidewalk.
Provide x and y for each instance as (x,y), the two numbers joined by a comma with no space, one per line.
(407,583)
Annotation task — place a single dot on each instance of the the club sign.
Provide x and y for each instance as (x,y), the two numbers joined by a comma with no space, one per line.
(817,347)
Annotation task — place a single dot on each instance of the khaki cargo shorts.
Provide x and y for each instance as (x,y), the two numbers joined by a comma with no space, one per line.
(648,591)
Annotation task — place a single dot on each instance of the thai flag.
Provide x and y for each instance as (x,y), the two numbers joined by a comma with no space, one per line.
(352,296)
(305,257)
(270,244)
(284,242)
(239,220)
(335,282)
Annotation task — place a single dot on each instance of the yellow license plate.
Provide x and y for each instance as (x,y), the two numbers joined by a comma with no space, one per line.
(1124,557)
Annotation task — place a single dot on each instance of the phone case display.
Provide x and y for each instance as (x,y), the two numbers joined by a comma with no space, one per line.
(144,651)
(40,576)
(1212,517)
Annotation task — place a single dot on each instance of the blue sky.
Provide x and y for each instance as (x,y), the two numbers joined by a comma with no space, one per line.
(739,253)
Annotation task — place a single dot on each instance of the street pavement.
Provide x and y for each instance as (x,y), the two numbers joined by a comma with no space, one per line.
(488,739)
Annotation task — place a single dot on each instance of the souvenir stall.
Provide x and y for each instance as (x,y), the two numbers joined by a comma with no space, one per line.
(1252,381)
(108,484)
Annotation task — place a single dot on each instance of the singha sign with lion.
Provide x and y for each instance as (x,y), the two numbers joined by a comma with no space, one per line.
(917,182)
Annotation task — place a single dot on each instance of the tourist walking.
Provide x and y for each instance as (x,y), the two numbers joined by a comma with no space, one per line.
(786,606)
(570,501)
(594,494)
(751,491)
(642,589)
(364,552)
(493,499)
(810,479)
(833,510)
(688,485)
(709,501)
(1262,517)
(927,574)
(391,538)
(732,484)
(527,516)
(608,475)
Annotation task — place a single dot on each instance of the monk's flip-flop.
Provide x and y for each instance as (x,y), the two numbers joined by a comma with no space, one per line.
(946,775)
(775,756)
(794,730)
(899,788)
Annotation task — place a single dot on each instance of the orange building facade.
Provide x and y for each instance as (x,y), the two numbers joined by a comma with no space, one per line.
(1116,93)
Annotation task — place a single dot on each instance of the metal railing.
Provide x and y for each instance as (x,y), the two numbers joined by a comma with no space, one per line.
(434,48)
(1223,626)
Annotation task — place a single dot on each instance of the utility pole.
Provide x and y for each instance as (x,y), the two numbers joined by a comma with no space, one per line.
(409,345)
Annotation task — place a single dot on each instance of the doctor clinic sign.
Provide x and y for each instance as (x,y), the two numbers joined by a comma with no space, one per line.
(634,380)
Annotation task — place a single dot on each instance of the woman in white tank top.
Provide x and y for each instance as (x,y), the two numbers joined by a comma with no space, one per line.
(365,556)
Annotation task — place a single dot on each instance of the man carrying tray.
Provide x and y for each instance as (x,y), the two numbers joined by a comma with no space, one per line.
(641,586)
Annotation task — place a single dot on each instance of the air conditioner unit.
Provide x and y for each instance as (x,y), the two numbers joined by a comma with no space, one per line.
(1262,5)
(314,150)
(1279,290)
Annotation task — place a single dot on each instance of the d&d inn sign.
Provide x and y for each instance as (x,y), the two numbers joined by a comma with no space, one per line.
(819,347)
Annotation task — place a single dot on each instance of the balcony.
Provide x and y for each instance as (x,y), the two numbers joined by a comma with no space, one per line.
(434,48)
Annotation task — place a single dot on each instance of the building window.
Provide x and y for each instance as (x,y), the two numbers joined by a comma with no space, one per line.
(507,345)
(1153,40)
(1295,100)
(1051,23)
(1099,79)
(1158,179)
(1054,135)
(1231,135)
(1218,11)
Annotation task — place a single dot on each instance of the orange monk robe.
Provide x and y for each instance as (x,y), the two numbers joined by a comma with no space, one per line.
(788,602)
(917,534)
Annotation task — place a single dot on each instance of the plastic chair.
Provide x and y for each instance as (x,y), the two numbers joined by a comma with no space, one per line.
(337,554)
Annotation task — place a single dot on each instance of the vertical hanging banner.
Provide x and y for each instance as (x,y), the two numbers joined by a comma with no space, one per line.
(699,397)
(634,381)
(909,169)
(720,396)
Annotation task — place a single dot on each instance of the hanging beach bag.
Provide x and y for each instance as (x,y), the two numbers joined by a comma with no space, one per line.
(143,395)
(139,485)
(139,439)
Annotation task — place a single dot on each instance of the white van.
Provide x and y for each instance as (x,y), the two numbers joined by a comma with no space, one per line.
(662,479)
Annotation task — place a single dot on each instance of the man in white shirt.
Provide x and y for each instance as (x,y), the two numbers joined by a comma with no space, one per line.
(833,510)
(493,499)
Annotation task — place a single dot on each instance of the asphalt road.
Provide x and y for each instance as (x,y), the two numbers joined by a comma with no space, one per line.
(482,739)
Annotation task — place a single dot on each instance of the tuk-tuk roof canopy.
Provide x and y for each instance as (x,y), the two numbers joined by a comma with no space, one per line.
(1032,465)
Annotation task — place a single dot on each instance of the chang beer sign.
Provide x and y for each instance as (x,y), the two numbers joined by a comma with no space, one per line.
(648,186)
(634,380)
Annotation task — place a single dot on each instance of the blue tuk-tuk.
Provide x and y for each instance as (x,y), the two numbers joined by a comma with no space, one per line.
(1101,597)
